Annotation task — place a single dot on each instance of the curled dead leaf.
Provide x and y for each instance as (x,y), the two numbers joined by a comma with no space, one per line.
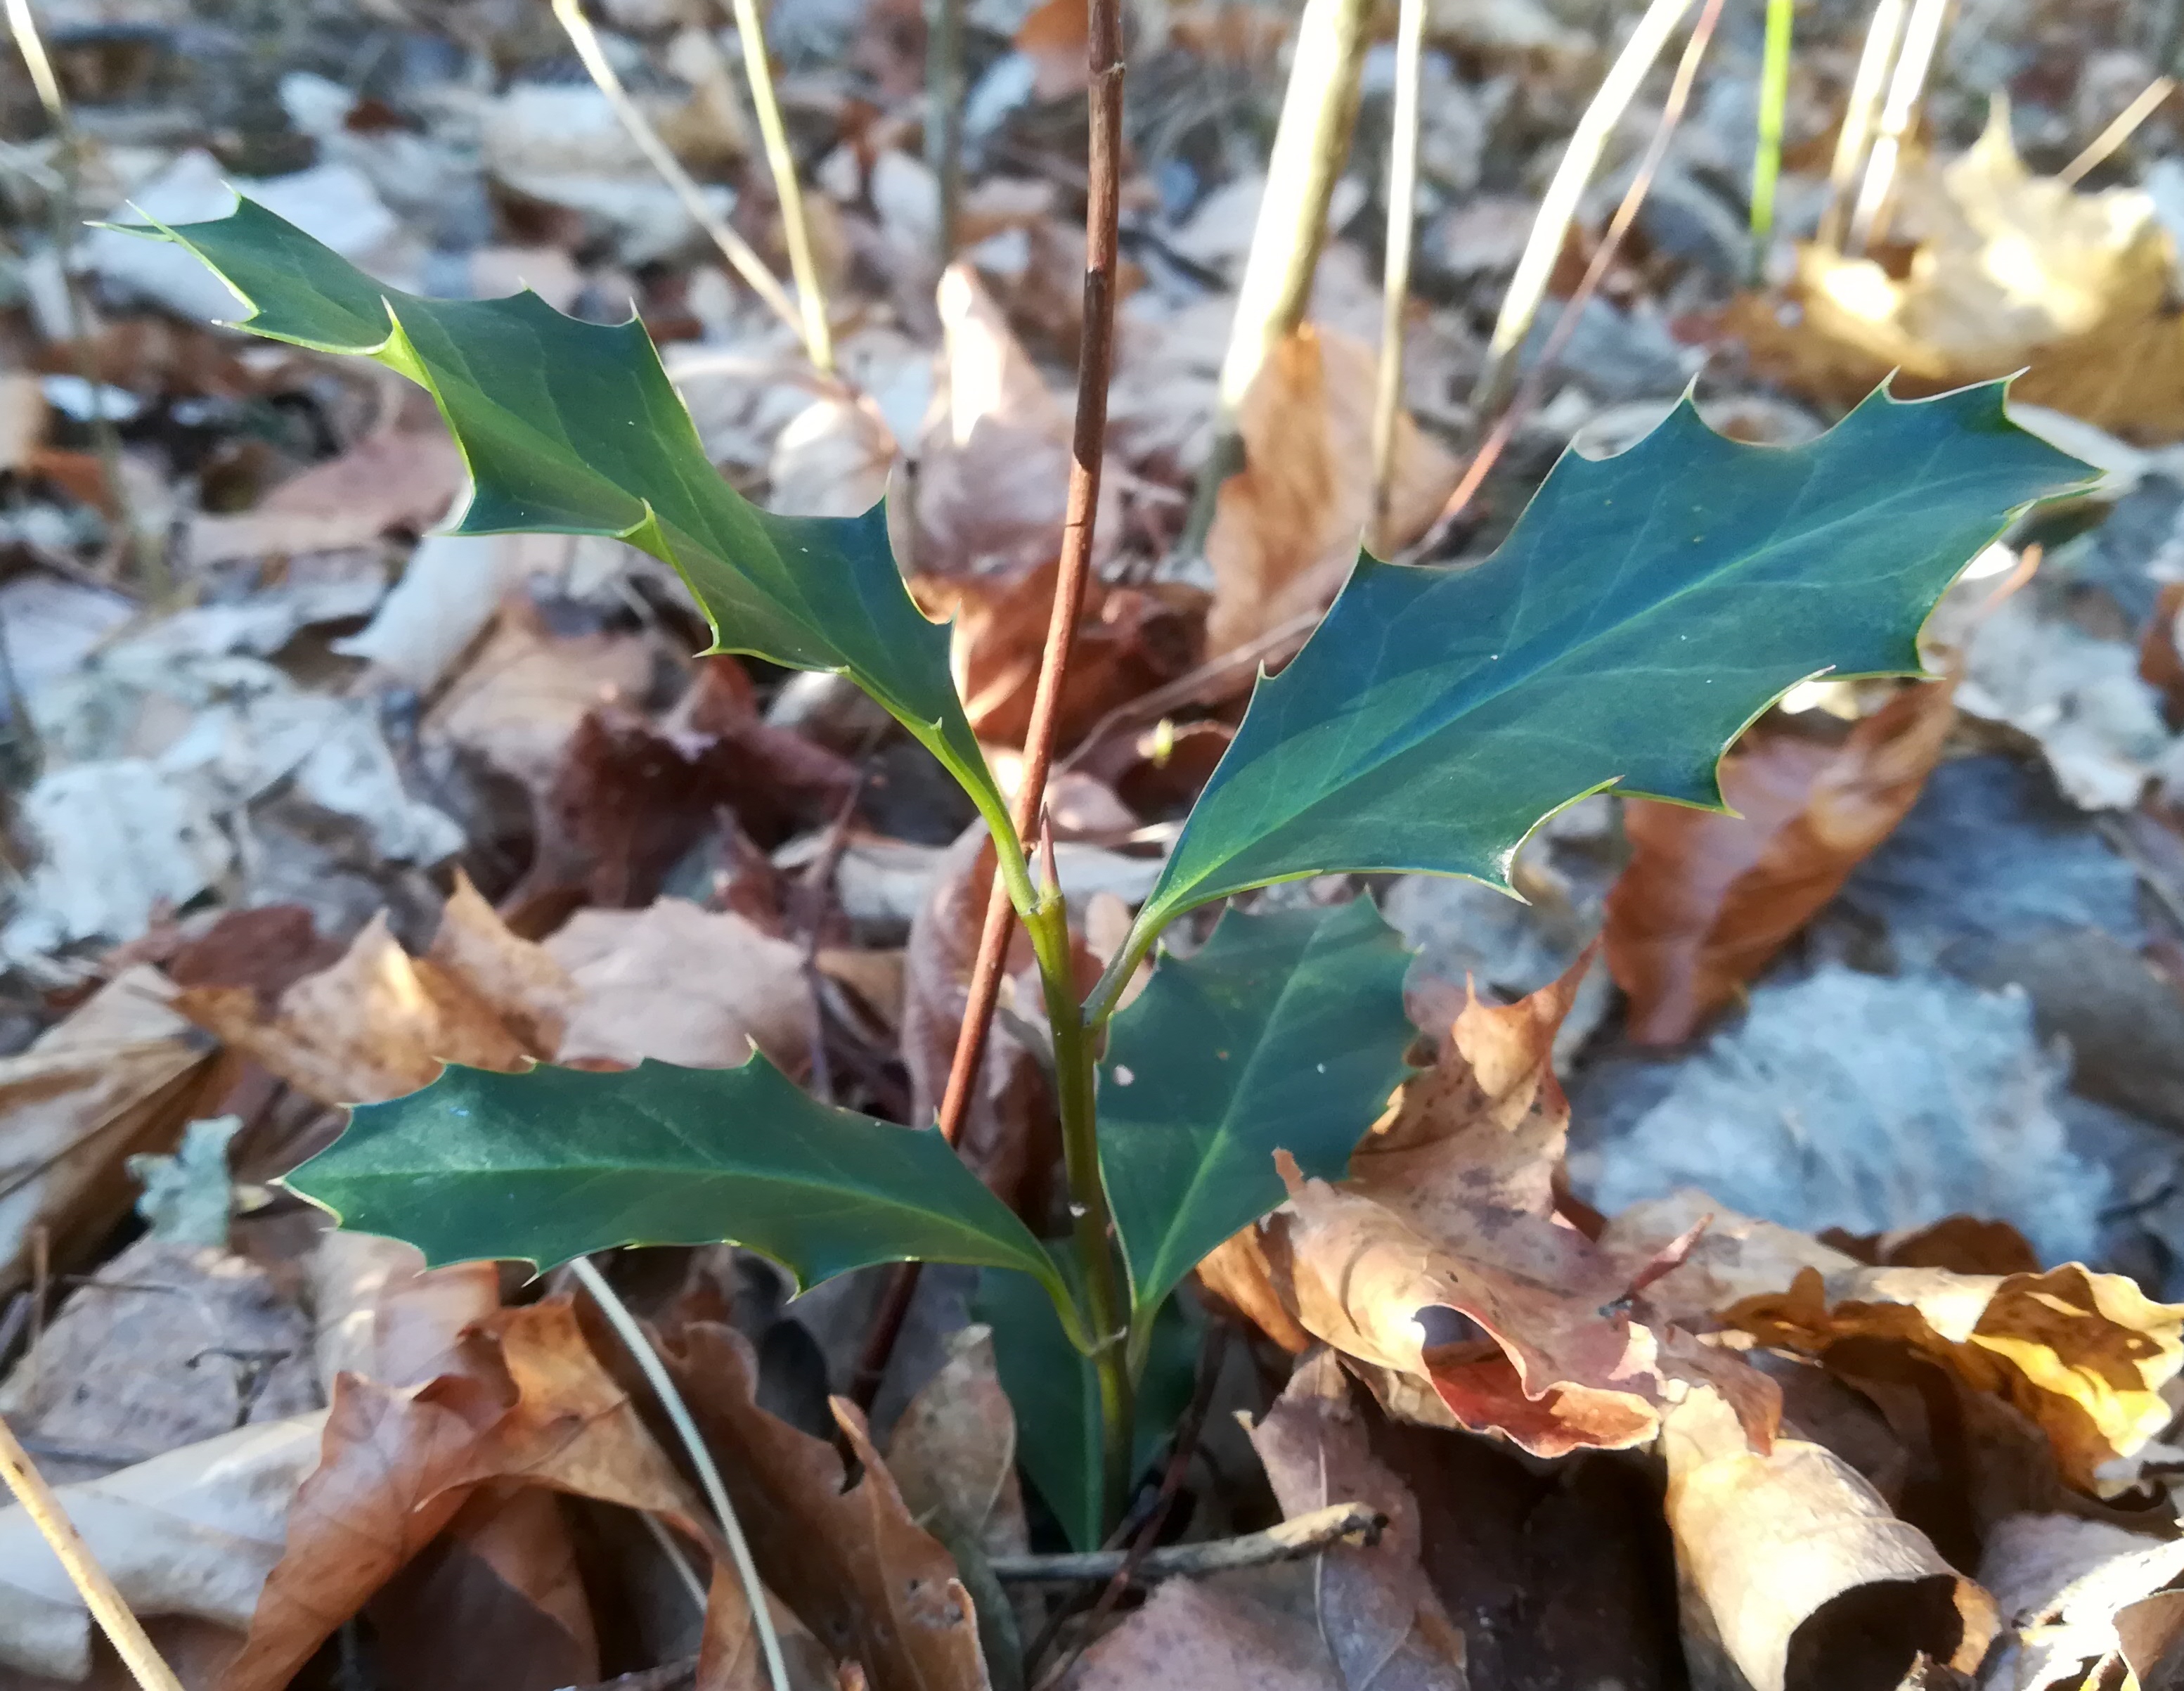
(2084,1355)
(1808,1578)
(1443,1261)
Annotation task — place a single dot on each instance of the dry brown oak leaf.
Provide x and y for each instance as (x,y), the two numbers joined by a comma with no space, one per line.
(1706,900)
(1442,1262)
(2014,272)
(397,1465)
(874,1588)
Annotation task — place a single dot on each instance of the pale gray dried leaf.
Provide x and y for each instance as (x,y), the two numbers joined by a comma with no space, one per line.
(2066,1587)
(114,842)
(2079,695)
(167,1345)
(1854,1100)
(188,1197)
(192,1532)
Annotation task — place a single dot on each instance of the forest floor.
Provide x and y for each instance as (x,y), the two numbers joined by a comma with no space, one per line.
(291,776)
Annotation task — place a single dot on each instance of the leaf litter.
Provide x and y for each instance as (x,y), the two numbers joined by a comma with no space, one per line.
(1794,1403)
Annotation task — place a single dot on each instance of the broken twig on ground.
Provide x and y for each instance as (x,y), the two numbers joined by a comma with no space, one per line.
(1353,1523)
(108,1607)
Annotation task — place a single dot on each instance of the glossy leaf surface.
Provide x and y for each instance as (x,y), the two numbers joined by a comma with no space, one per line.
(1643,610)
(1284,1032)
(573,428)
(552,1164)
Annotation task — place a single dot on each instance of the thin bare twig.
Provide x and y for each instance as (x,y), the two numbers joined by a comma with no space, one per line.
(108,1607)
(787,192)
(1558,206)
(1311,143)
(1920,37)
(1626,214)
(1396,276)
(2136,112)
(1094,367)
(1860,113)
(708,1475)
(1354,1523)
(739,252)
(61,211)
(944,121)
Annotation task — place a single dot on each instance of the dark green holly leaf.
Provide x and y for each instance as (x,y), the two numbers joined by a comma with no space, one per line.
(573,428)
(1055,1392)
(1284,1032)
(560,1161)
(1643,610)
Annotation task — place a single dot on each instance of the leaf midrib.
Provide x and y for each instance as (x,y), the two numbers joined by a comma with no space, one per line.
(1224,1136)
(1408,738)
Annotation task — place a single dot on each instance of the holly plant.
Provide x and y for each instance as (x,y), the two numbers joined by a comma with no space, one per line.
(1645,608)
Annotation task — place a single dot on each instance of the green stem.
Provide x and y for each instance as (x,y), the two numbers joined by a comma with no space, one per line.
(1076,1084)
(1008,860)
(1107,991)
(1774,96)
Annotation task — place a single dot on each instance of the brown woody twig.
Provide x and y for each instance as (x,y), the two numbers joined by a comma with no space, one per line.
(1353,1523)
(107,1606)
(1095,365)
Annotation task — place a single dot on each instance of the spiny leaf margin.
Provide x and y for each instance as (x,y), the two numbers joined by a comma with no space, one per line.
(573,427)
(1451,769)
(531,1167)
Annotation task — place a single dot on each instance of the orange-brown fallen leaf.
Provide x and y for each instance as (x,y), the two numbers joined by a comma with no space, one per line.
(2014,272)
(532,1408)
(611,988)
(377,1024)
(1708,899)
(1129,640)
(1443,1261)
(1807,1578)
(1287,526)
(386,1481)
(398,479)
(2086,1356)
(874,1588)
